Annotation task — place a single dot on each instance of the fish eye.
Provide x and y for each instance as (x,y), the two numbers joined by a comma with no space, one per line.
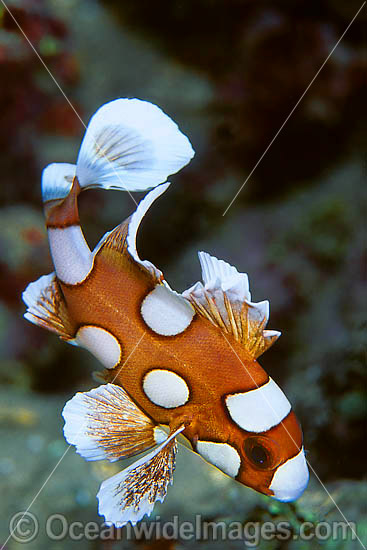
(262,453)
(259,455)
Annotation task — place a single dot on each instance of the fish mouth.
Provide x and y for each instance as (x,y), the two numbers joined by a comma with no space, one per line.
(290,479)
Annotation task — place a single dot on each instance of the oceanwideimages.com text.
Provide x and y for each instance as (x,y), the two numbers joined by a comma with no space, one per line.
(25,527)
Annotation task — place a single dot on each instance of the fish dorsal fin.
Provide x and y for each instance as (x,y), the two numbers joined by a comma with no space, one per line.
(123,237)
(225,300)
(134,224)
(46,306)
(114,239)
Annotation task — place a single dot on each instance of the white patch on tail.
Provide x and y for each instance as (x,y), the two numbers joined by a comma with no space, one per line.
(70,253)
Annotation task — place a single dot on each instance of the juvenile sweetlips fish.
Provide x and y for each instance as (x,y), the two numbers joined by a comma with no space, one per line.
(187,361)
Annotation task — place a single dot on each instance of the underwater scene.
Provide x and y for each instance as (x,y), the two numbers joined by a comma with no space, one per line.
(201,382)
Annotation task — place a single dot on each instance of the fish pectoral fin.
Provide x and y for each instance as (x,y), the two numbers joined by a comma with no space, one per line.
(106,423)
(225,300)
(47,308)
(131,494)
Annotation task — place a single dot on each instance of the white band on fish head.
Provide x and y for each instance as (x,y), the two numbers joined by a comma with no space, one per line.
(259,409)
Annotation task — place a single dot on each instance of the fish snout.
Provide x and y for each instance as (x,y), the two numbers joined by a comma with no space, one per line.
(290,478)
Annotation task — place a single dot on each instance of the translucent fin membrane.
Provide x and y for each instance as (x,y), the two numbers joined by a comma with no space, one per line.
(46,306)
(225,300)
(106,423)
(131,494)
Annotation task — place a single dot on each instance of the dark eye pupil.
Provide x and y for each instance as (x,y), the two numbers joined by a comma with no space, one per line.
(259,455)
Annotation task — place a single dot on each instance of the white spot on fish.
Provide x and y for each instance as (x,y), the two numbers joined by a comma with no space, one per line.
(101,343)
(166,312)
(165,388)
(223,456)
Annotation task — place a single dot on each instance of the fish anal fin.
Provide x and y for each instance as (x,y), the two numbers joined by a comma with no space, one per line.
(46,307)
(131,494)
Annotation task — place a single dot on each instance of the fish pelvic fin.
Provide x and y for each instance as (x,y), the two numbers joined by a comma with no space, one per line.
(131,494)
(225,300)
(105,423)
(46,307)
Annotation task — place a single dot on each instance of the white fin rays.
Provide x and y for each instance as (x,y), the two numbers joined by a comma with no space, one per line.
(131,494)
(131,145)
(106,423)
(46,306)
(225,300)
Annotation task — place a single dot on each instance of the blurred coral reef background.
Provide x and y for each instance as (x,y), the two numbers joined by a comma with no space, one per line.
(228,72)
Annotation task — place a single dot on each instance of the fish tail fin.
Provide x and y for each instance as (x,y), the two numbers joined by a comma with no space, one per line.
(129,145)
(46,307)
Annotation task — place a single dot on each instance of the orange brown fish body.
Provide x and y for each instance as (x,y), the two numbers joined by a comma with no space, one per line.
(187,361)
